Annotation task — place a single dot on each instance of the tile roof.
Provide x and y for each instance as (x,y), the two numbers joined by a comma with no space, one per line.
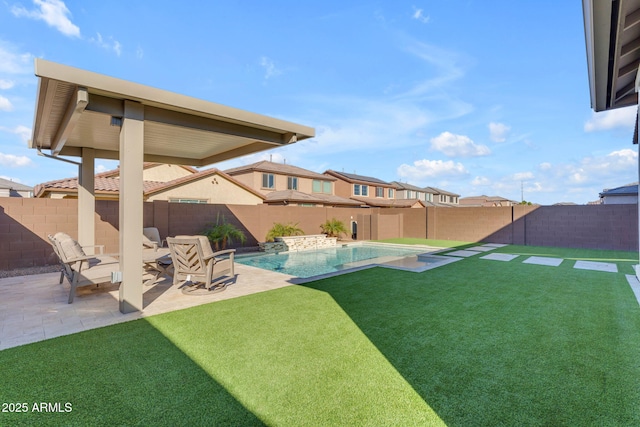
(625,190)
(405,186)
(280,168)
(11,185)
(435,190)
(108,184)
(299,197)
(352,177)
(146,165)
(389,203)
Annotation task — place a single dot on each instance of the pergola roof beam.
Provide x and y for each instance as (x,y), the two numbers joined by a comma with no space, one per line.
(74,109)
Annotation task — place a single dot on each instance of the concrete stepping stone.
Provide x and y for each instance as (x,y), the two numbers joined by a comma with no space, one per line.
(540,260)
(635,285)
(463,253)
(597,266)
(500,257)
(481,248)
(495,245)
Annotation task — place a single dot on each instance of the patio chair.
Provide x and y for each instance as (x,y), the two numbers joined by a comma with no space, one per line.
(151,238)
(194,262)
(79,268)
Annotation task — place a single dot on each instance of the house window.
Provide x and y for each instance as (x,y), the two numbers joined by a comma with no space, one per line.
(356,189)
(268,180)
(292,183)
(198,201)
(365,190)
(391,193)
(379,192)
(409,194)
(320,186)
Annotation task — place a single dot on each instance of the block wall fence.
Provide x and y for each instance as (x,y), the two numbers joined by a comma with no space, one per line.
(25,223)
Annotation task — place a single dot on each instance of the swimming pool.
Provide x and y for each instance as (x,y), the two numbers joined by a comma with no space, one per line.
(312,263)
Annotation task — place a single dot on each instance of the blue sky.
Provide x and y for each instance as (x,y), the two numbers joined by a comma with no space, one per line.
(475,97)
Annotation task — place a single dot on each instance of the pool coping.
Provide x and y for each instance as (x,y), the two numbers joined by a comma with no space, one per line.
(431,251)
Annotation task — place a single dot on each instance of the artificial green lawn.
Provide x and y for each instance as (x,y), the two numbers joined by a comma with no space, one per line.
(475,342)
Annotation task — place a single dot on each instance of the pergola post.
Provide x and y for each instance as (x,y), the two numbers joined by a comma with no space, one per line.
(86,200)
(130,207)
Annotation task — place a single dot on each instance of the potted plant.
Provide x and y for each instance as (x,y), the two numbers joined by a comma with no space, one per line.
(221,233)
(333,228)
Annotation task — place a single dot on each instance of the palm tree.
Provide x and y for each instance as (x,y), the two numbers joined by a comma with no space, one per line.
(221,232)
(283,230)
(333,228)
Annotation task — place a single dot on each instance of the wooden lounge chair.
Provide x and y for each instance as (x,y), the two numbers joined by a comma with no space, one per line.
(79,268)
(194,262)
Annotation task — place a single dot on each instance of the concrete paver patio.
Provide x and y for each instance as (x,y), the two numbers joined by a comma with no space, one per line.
(34,308)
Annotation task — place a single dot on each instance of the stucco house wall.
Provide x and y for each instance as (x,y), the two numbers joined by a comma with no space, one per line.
(212,189)
(165,173)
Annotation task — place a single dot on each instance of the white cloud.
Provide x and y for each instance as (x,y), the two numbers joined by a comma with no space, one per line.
(545,166)
(109,44)
(12,62)
(522,176)
(424,169)
(5,104)
(54,12)
(22,131)
(446,63)
(6,84)
(269,67)
(620,118)
(418,15)
(498,131)
(11,160)
(480,181)
(9,178)
(458,146)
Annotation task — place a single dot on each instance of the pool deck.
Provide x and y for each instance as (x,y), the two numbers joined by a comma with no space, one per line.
(34,308)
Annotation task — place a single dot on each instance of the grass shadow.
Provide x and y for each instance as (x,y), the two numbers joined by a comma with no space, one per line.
(125,374)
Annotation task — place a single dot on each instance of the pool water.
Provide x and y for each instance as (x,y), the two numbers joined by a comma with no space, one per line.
(323,261)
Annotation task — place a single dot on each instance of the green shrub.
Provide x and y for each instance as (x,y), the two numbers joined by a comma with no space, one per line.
(283,230)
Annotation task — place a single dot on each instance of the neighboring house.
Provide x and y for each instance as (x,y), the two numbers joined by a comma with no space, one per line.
(625,195)
(486,201)
(9,188)
(173,183)
(443,197)
(408,191)
(283,184)
(371,191)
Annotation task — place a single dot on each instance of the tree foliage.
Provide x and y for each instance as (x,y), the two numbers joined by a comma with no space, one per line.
(333,228)
(221,233)
(283,230)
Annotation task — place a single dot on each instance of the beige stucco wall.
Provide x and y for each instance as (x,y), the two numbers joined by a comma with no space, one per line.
(254,180)
(164,173)
(220,192)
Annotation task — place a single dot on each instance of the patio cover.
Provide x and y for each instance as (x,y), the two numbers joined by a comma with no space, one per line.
(612,36)
(89,115)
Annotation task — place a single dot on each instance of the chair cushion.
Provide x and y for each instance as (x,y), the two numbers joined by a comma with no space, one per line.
(69,247)
(151,234)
